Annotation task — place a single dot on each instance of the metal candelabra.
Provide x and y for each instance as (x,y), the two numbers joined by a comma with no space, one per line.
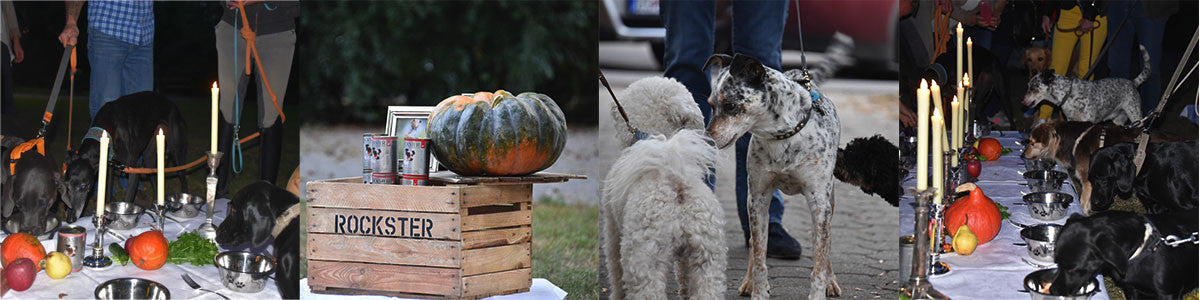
(98,259)
(207,230)
(918,286)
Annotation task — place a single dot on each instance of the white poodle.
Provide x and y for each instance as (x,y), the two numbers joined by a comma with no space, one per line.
(657,209)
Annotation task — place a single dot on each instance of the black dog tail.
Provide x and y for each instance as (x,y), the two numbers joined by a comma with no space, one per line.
(872,165)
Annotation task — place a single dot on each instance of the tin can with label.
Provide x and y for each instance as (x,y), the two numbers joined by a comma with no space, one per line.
(385,161)
(415,162)
(383,178)
(367,176)
(368,149)
(71,242)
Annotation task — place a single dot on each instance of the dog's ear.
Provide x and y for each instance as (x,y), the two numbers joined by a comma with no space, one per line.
(1112,256)
(260,217)
(721,60)
(748,67)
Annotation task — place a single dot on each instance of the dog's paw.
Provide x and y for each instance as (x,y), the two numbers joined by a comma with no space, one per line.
(833,290)
(746,289)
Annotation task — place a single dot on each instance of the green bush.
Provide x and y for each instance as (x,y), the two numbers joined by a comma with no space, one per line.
(359,57)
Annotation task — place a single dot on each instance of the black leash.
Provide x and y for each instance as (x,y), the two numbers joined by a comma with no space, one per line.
(62,69)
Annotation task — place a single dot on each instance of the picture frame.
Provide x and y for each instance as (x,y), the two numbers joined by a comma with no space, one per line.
(412,116)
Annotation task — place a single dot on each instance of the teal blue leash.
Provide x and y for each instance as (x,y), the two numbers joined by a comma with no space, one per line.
(235,152)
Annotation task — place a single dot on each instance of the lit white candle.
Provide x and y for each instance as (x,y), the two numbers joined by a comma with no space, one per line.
(103,177)
(958,66)
(956,128)
(938,171)
(970,58)
(965,108)
(159,142)
(922,136)
(212,147)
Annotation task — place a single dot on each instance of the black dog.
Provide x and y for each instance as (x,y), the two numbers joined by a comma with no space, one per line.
(1128,248)
(253,216)
(132,122)
(31,190)
(860,164)
(1166,183)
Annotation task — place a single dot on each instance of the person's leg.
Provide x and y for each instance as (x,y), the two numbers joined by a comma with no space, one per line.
(1060,50)
(687,46)
(106,55)
(232,81)
(1150,34)
(138,70)
(276,52)
(1089,46)
(6,92)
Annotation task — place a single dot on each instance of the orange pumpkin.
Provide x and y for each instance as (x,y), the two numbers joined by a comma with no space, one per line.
(990,148)
(22,245)
(975,210)
(148,250)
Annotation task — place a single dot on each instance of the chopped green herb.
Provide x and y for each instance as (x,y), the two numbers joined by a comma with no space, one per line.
(191,248)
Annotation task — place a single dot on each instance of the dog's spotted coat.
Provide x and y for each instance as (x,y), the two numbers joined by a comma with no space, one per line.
(1109,99)
(748,97)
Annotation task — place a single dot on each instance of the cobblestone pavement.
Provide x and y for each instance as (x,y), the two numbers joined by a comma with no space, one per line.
(864,255)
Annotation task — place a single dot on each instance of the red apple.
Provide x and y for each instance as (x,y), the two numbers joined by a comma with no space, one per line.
(20,274)
(974,167)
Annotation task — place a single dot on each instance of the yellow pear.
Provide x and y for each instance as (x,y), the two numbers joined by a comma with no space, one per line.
(58,265)
(964,241)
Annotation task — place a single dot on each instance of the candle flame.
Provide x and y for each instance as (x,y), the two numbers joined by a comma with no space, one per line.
(968,42)
(933,85)
(937,115)
(959,28)
(214,84)
(923,84)
(966,80)
(160,131)
(954,101)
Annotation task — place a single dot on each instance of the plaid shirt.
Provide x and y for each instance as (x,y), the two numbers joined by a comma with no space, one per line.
(129,21)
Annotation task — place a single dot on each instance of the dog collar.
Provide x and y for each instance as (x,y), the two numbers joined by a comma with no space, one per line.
(286,217)
(38,143)
(808,115)
(1145,241)
(94,133)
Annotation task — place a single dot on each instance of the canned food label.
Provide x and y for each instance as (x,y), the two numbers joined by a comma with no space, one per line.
(415,160)
(385,154)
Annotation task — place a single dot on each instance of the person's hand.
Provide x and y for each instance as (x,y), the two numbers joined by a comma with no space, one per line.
(19,53)
(69,35)
(1086,25)
(1046,25)
(907,116)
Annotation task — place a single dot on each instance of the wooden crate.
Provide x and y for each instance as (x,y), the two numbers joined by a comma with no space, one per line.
(469,239)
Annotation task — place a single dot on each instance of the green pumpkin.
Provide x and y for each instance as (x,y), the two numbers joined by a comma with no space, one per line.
(497,134)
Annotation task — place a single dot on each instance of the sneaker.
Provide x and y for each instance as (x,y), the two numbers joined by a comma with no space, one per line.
(781,245)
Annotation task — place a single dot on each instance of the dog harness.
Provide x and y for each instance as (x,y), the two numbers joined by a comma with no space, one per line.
(283,219)
(1170,240)
(39,143)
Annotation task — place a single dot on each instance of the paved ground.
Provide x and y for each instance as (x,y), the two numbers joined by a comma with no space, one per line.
(864,227)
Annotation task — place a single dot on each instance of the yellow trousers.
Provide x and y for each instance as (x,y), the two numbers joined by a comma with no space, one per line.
(1064,45)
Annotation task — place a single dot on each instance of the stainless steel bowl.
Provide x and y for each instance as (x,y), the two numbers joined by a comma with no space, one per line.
(132,288)
(1047,206)
(122,215)
(1038,164)
(1039,241)
(243,271)
(184,205)
(1034,281)
(44,233)
(1045,180)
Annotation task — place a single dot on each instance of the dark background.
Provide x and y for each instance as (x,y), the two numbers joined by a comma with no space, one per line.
(360,57)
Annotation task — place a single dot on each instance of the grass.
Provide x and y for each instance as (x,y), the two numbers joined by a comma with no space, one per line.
(565,247)
(196,114)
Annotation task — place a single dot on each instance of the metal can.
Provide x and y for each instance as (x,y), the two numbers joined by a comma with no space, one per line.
(385,161)
(368,150)
(367,176)
(383,178)
(71,242)
(415,162)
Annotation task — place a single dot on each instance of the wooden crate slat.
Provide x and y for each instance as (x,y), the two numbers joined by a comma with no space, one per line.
(338,193)
(495,194)
(497,220)
(496,283)
(339,221)
(408,279)
(495,259)
(384,250)
(497,237)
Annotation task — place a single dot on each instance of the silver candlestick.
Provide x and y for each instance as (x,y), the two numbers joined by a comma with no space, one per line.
(918,286)
(98,259)
(207,230)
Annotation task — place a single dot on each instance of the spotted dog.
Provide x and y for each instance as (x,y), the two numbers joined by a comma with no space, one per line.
(794,149)
(1109,99)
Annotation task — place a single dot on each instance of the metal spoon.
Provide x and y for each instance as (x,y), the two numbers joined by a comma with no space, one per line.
(194,285)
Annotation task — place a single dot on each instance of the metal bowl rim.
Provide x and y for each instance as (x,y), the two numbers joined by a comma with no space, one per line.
(1062,198)
(96,293)
(138,208)
(216,262)
(1095,284)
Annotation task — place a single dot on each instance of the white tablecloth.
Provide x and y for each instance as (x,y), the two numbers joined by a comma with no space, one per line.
(541,289)
(995,269)
(81,285)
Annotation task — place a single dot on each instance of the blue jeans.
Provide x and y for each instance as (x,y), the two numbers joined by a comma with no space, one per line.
(118,69)
(1149,33)
(757,31)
